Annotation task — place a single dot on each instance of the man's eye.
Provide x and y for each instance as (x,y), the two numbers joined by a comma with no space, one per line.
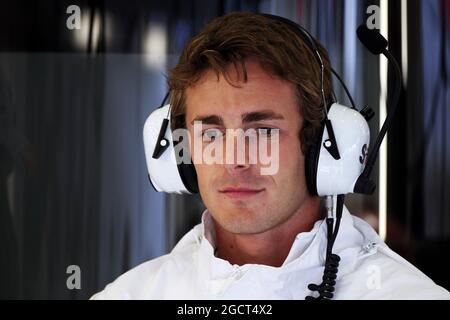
(211,133)
(264,131)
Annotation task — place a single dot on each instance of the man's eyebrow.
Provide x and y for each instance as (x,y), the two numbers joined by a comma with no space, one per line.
(209,119)
(246,117)
(261,115)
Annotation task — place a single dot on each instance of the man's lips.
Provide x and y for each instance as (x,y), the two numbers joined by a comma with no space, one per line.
(240,192)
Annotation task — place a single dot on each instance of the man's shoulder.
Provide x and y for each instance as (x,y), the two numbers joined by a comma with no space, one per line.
(128,285)
(381,273)
(149,279)
(384,274)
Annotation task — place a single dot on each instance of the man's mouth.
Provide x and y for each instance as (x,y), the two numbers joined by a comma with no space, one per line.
(240,193)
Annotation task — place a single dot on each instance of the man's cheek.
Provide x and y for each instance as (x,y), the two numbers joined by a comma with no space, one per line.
(269,158)
(205,176)
(291,163)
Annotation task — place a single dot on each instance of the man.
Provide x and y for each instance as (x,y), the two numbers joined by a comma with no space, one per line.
(262,236)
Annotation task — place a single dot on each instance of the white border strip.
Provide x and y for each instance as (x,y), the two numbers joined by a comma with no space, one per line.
(404,9)
(382,190)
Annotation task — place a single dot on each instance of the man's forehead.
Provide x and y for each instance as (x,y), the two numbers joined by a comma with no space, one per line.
(261,90)
(254,70)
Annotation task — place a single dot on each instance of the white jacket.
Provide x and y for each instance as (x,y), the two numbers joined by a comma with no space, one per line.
(368,270)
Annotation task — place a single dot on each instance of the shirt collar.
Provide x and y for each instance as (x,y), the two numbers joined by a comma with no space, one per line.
(308,248)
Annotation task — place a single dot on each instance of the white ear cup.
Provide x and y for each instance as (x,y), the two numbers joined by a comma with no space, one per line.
(163,172)
(352,134)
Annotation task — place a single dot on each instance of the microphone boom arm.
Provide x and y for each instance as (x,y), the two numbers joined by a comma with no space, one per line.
(364,185)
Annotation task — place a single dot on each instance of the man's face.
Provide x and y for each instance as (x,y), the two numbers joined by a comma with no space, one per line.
(275,198)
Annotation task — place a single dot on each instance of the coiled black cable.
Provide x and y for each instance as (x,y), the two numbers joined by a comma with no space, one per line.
(326,288)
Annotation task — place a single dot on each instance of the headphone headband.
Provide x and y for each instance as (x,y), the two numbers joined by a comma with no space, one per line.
(312,44)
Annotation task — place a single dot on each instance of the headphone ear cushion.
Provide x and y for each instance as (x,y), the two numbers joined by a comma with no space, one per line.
(188,175)
(167,172)
(312,163)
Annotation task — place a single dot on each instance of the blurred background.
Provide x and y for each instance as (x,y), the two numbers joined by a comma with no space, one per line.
(73,180)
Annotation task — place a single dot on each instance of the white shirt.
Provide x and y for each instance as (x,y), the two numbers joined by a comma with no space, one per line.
(368,270)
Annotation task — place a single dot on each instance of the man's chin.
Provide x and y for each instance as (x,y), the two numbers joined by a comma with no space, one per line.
(243,224)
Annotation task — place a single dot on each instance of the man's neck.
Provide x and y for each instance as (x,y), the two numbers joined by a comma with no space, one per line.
(271,247)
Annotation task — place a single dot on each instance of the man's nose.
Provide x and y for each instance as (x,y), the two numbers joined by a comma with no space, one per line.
(234,169)
(239,157)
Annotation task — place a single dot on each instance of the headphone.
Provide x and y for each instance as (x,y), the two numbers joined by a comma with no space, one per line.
(333,163)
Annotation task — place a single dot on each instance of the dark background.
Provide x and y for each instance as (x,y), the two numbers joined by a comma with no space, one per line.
(73,180)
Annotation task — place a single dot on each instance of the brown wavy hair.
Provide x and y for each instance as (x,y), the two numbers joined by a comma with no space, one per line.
(237,36)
